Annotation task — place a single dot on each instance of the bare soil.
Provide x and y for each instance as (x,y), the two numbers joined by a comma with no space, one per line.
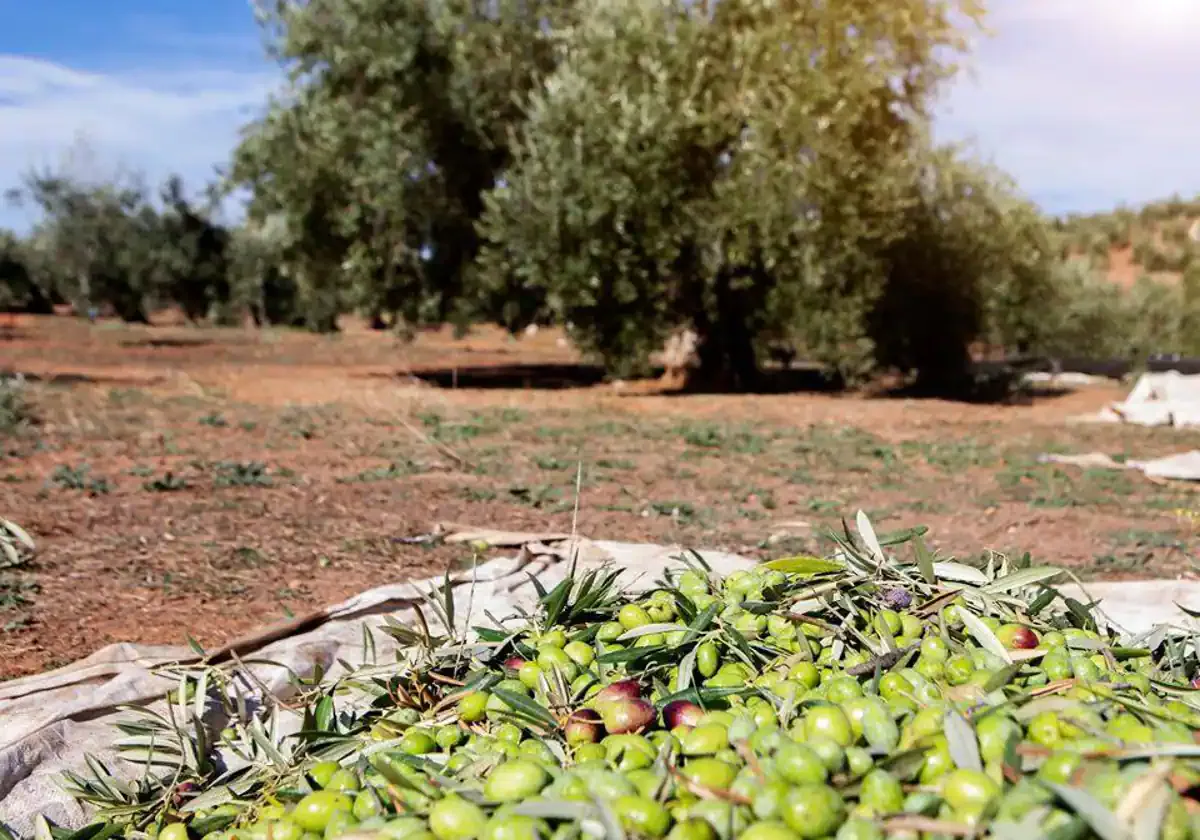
(184,480)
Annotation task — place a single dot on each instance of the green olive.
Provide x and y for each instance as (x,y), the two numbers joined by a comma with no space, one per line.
(344,780)
(881,792)
(628,752)
(814,810)
(581,653)
(504,826)
(322,772)
(829,722)
(455,818)
(642,815)
(799,764)
(831,753)
(472,707)
(514,781)
(708,658)
(805,673)
(710,773)
(970,793)
(1059,767)
(340,822)
(692,829)
(417,742)
(314,811)
(841,689)
(631,616)
(705,739)
(859,761)
(995,733)
(768,830)
(859,829)
(767,799)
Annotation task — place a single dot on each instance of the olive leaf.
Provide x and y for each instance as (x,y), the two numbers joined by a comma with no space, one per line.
(983,634)
(961,741)
(1101,820)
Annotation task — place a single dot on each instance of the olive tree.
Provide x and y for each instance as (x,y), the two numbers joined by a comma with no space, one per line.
(397,119)
(738,167)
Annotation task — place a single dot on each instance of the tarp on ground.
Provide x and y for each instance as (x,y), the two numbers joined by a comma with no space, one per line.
(1169,398)
(49,722)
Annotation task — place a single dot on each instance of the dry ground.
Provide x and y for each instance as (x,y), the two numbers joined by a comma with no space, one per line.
(209,481)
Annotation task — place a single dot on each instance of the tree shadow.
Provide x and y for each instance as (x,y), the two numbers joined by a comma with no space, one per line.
(79,378)
(529,376)
(566,376)
(168,341)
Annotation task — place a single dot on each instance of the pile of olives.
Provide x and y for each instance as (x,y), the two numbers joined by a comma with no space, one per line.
(759,706)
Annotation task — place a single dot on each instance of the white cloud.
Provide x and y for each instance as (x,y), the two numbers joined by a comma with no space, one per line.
(1087,102)
(152,122)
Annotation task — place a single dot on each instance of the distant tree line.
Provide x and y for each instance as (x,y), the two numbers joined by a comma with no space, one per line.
(759,173)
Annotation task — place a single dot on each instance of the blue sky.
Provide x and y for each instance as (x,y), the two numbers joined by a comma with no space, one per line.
(1087,102)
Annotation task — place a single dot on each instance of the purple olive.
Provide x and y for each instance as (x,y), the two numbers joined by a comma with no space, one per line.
(583,727)
(681,713)
(623,717)
(514,663)
(620,690)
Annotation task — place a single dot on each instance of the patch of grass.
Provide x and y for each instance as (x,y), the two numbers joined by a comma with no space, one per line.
(16,410)
(125,397)
(765,497)
(479,494)
(215,420)
(550,463)
(679,511)
(953,456)
(167,483)
(705,435)
(446,431)
(394,470)
(845,449)
(615,463)
(140,471)
(538,496)
(301,422)
(1147,539)
(552,432)
(79,478)
(242,474)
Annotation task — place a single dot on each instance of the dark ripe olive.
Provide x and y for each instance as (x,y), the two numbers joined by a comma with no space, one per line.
(625,716)
(583,726)
(1017,637)
(620,690)
(681,713)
